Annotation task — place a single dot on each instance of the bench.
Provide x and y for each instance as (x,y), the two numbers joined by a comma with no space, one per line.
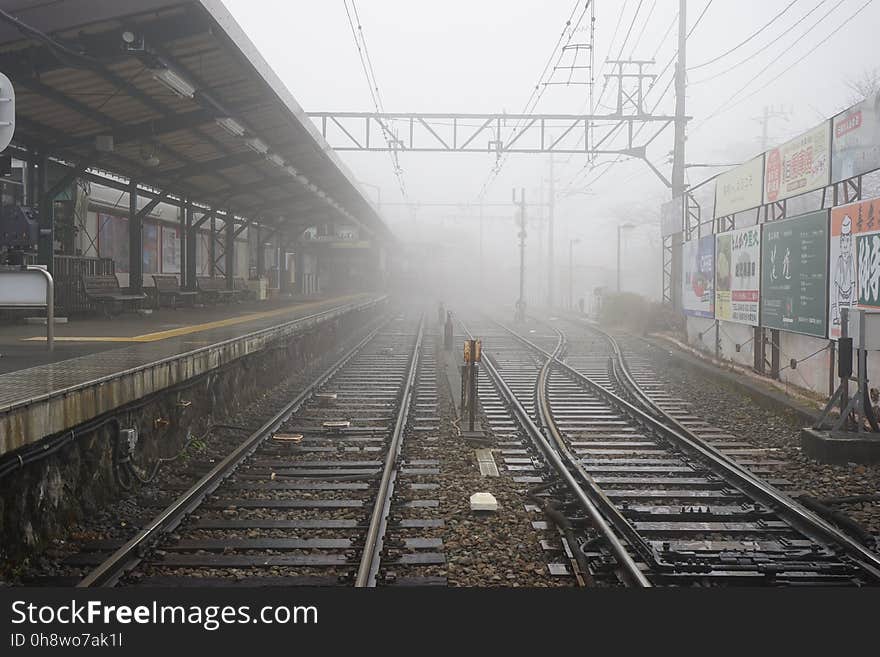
(105,291)
(241,287)
(215,288)
(167,287)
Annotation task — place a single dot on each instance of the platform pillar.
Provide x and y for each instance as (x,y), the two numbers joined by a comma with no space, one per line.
(261,253)
(135,242)
(190,249)
(212,247)
(46,243)
(229,234)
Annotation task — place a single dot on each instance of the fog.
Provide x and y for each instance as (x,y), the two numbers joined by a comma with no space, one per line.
(487,56)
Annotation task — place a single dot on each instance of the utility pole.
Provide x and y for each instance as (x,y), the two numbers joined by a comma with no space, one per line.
(520,315)
(769,113)
(481,244)
(678,158)
(550,237)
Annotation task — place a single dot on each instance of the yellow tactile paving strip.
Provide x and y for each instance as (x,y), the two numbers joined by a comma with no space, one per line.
(197,328)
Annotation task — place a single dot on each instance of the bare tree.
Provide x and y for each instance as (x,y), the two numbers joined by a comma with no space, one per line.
(867,84)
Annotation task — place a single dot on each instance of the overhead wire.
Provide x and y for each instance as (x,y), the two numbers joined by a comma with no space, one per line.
(773,42)
(747,39)
(729,104)
(373,85)
(540,87)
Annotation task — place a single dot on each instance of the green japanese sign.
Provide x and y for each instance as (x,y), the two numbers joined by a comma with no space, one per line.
(794,274)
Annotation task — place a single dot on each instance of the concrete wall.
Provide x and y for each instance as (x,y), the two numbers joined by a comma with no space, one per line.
(42,500)
(810,374)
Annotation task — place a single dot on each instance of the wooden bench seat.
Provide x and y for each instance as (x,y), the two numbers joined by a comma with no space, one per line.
(105,291)
(215,288)
(167,287)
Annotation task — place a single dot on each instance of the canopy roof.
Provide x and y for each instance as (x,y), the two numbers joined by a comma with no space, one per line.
(194,111)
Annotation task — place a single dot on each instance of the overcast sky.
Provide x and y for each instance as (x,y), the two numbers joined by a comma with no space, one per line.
(486,56)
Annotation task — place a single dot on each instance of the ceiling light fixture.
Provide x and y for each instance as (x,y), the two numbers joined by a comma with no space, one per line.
(276,159)
(174,82)
(231,126)
(257,145)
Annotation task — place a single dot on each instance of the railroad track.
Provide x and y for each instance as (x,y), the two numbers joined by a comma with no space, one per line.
(330,490)
(673,508)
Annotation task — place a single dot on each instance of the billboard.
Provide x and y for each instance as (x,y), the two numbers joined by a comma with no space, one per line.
(798,166)
(698,277)
(794,274)
(738,275)
(672,217)
(855,260)
(740,189)
(855,142)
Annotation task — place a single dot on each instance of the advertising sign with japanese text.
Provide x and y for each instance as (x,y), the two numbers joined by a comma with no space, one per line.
(738,275)
(698,289)
(855,141)
(855,260)
(740,189)
(798,166)
(794,274)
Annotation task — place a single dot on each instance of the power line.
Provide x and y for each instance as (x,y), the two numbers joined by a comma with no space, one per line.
(728,104)
(762,49)
(747,39)
(540,87)
(360,42)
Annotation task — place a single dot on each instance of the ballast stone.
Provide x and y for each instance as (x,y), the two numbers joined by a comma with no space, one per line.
(484,502)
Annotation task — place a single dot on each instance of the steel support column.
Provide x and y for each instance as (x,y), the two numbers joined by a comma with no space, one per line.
(190,249)
(229,234)
(135,242)
(261,253)
(182,243)
(46,243)
(212,247)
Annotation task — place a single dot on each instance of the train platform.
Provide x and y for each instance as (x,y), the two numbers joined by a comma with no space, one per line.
(100,364)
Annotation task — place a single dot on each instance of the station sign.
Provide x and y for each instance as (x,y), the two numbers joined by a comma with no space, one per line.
(698,277)
(798,166)
(740,189)
(672,217)
(855,260)
(7,112)
(738,275)
(794,274)
(855,142)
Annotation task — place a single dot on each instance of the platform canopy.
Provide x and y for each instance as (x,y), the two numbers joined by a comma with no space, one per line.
(193,110)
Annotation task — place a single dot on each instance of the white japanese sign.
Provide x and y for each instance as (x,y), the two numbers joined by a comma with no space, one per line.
(740,189)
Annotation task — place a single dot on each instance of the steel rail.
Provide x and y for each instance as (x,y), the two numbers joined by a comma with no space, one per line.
(790,510)
(609,510)
(634,575)
(371,557)
(135,549)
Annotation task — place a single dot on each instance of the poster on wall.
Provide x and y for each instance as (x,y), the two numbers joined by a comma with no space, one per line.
(794,274)
(698,268)
(738,275)
(151,249)
(170,250)
(855,141)
(740,189)
(855,260)
(798,166)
